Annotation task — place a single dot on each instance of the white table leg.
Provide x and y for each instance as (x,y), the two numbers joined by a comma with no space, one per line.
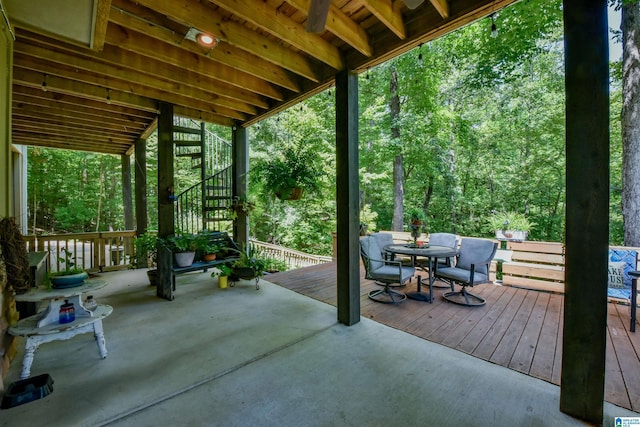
(29,353)
(99,334)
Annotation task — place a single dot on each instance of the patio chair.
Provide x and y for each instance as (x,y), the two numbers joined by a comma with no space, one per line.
(472,268)
(443,239)
(383,240)
(383,272)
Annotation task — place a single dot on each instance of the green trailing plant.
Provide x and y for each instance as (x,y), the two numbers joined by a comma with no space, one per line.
(69,265)
(240,204)
(294,168)
(184,242)
(222,270)
(146,250)
(509,221)
(416,216)
(248,258)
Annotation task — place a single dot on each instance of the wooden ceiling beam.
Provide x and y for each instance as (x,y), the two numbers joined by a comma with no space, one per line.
(103,8)
(69,144)
(57,84)
(130,40)
(52,115)
(270,20)
(388,13)
(28,126)
(195,14)
(223,53)
(72,124)
(204,116)
(343,27)
(442,6)
(69,66)
(206,102)
(151,67)
(74,103)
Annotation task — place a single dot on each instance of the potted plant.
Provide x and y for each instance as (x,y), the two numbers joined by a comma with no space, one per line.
(510,225)
(248,266)
(240,205)
(222,271)
(146,254)
(209,251)
(292,173)
(71,276)
(417,219)
(184,248)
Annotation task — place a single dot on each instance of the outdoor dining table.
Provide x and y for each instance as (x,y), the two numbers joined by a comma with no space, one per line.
(432,253)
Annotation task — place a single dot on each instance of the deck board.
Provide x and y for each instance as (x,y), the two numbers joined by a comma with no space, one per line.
(523,356)
(543,357)
(517,328)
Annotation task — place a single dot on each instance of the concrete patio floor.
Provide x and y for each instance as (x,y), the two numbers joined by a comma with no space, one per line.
(242,357)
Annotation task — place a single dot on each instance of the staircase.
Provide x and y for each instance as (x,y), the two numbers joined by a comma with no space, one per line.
(203,206)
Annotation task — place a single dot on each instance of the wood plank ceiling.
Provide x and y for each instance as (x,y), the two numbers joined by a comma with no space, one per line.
(102,95)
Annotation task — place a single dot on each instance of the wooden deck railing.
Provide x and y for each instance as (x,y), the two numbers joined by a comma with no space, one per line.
(534,265)
(108,251)
(92,252)
(293,258)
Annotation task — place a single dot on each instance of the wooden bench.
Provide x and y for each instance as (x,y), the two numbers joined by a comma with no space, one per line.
(220,239)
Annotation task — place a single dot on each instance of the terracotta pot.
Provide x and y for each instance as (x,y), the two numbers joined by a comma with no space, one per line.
(209,257)
(294,193)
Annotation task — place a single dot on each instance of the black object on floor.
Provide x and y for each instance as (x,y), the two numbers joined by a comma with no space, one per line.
(28,390)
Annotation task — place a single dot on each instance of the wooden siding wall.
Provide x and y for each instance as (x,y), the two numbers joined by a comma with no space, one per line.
(6,168)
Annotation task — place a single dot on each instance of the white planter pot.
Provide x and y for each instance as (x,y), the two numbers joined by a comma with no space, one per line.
(184,259)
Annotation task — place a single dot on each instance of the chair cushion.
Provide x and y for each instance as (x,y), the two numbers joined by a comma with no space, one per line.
(475,251)
(460,275)
(443,239)
(371,250)
(389,273)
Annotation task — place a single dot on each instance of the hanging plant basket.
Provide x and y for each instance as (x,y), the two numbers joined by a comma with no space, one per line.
(294,193)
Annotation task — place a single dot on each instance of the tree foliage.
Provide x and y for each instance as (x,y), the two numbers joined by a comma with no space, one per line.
(480,129)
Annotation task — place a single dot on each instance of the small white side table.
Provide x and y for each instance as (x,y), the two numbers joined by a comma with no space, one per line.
(45,327)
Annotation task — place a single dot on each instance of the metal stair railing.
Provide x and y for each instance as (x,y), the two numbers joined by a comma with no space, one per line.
(204,206)
(197,210)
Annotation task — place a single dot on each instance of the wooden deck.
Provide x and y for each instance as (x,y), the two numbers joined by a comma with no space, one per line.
(519,329)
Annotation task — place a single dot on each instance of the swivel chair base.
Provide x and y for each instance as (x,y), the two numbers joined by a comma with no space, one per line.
(387,296)
(463,297)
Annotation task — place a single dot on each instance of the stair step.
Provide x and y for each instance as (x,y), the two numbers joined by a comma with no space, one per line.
(218,187)
(186,143)
(192,155)
(214,208)
(218,198)
(182,129)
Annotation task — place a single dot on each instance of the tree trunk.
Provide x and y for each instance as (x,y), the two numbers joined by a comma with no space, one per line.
(630,121)
(398,169)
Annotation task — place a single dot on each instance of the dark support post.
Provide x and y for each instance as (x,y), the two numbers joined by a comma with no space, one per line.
(165,204)
(587,217)
(127,197)
(347,198)
(240,141)
(141,186)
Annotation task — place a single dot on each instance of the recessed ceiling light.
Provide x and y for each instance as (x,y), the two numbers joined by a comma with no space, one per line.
(202,38)
(206,40)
